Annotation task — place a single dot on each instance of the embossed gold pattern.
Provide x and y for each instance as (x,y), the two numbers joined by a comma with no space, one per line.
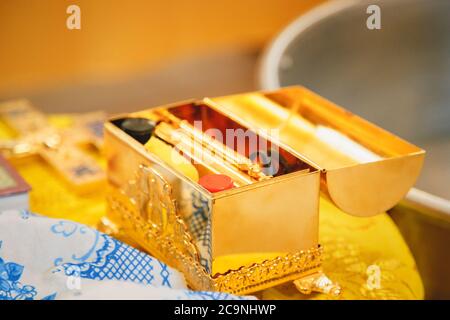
(148,213)
(271,272)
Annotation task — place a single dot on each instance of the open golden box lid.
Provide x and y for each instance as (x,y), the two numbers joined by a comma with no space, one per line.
(365,170)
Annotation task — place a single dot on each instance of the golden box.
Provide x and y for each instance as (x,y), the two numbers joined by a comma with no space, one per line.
(263,230)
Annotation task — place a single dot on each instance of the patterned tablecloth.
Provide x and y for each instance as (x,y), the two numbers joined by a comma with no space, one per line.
(366,256)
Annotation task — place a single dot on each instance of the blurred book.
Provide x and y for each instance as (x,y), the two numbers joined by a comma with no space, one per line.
(14,191)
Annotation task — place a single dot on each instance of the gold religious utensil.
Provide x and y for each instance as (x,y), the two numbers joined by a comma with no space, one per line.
(261,232)
(58,147)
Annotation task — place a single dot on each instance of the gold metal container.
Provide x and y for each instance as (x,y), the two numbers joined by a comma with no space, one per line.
(264,231)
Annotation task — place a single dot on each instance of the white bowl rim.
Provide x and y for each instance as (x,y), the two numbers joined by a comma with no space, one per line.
(268,80)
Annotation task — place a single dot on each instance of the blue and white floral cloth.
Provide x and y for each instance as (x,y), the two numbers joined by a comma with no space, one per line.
(43,258)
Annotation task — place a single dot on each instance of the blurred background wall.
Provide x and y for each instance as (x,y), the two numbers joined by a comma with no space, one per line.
(120,39)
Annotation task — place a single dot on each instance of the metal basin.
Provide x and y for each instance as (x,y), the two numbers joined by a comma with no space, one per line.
(397,77)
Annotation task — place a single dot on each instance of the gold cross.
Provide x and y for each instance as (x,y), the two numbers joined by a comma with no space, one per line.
(58,147)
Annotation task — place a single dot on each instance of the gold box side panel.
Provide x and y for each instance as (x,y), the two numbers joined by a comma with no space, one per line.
(276,218)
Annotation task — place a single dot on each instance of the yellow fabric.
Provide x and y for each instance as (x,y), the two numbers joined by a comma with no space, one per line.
(351,244)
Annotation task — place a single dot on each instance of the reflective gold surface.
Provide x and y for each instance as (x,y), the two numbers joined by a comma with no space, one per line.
(230,234)
(362,168)
(365,169)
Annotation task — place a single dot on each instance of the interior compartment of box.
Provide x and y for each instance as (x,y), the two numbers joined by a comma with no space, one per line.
(273,159)
(164,152)
(238,138)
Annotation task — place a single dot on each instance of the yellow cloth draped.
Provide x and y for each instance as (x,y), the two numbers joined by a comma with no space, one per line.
(351,244)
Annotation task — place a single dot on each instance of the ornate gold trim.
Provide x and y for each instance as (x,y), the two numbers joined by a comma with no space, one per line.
(162,247)
(270,272)
(146,212)
(244,280)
